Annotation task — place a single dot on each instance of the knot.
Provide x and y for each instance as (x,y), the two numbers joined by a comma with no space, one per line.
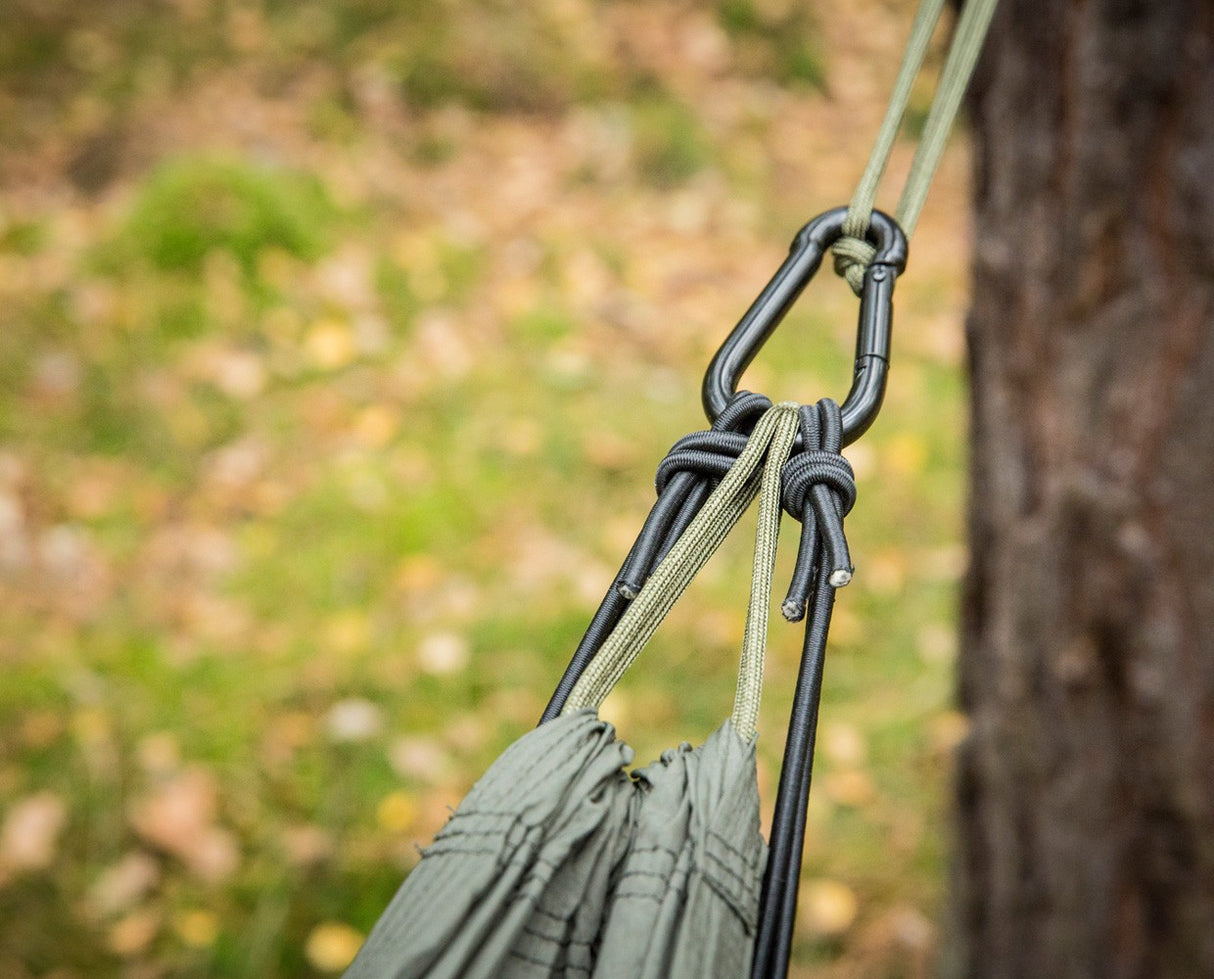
(706,454)
(817,468)
(852,256)
(685,477)
(819,489)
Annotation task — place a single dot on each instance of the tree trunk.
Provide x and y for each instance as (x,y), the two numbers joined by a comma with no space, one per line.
(1085,791)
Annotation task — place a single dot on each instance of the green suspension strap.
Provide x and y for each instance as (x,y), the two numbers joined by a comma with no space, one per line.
(853,253)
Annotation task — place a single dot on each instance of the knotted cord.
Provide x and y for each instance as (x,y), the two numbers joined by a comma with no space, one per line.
(681,493)
(765,452)
(708,455)
(703,484)
(685,478)
(819,490)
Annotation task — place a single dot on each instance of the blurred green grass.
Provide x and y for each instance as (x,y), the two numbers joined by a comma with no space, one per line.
(309,482)
(189,209)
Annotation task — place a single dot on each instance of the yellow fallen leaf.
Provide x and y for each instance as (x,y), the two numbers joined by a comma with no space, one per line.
(396,812)
(375,426)
(332,946)
(827,907)
(905,454)
(853,787)
(329,345)
(843,743)
(347,631)
(197,927)
(133,933)
(948,730)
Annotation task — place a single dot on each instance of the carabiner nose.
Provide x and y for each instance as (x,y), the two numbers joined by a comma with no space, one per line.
(863,401)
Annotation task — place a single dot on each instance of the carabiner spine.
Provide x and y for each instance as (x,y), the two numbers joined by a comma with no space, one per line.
(873,345)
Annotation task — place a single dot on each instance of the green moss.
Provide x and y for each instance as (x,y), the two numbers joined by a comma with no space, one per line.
(22,237)
(776,45)
(188,208)
(670,146)
(541,326)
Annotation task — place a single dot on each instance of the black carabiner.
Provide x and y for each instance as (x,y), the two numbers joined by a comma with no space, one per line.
(873,333)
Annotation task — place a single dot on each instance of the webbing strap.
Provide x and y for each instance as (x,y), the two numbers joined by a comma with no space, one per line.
(769,446)
(852,252)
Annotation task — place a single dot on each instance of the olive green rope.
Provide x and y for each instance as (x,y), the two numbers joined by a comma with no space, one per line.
(754,643)
(852,252)
(769,446)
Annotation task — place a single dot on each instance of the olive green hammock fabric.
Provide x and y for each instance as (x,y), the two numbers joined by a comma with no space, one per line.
(559,863)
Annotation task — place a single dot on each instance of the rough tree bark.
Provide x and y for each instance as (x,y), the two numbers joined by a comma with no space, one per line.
(1085,791)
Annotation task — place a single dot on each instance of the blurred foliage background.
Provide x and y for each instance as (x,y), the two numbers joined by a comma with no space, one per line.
(338,342)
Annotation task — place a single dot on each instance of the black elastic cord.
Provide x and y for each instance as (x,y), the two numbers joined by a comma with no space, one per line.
(691,461)
(605,619)
(819,487)
(819,490)
(701,459)
(691,506)
(781,879)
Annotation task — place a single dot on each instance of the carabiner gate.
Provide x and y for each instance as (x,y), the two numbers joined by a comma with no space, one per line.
(809,246)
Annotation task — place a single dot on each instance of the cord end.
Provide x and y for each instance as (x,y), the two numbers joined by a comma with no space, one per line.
(840,577)
(793,610)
